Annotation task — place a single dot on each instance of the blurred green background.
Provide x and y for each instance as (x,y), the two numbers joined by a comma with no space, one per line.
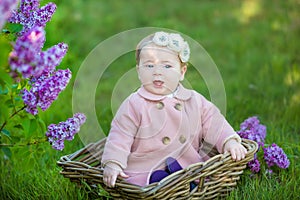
(254,43)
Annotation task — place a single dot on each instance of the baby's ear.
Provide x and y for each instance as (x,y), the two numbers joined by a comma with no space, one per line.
(183,70)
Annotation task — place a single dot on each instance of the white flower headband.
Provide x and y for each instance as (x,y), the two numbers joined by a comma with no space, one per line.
(174,42)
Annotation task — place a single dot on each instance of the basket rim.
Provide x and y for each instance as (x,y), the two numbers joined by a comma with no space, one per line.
(67,161)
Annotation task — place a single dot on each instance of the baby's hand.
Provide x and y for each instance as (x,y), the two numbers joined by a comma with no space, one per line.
(237,150)
(111,172)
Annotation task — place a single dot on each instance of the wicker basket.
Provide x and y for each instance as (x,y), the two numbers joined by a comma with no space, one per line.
(215,177)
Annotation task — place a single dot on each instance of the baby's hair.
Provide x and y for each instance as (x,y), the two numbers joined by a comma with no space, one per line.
(146,41)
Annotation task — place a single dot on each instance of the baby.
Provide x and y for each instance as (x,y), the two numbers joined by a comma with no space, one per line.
(163,119)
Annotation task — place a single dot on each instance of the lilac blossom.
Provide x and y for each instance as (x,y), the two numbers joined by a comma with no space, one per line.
(45,89)
(29,14)
(274,155)
(254,164)
(252,129)
(53,56)
(28,58)
(25,57)
(66,130)
(6,8)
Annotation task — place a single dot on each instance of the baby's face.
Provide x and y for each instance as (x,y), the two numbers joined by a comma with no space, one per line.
(160,69)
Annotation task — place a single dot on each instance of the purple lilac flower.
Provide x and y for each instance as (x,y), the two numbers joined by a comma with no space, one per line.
(66,130)
(253,130)
(249,123)
(25,57)
(254,165)
(274,155)
(29,14)
(28,58)
(6,8)
(45,90)
(53,56)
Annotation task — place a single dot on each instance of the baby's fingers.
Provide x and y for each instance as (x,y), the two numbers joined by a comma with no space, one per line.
(233,154)
(244,152)
(123,175)
(113,181)
(110,180)
(238,154)
(105,180)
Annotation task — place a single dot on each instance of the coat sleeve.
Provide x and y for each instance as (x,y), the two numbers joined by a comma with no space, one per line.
(121,136)
(216,130)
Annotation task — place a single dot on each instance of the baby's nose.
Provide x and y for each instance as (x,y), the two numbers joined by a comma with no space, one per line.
(157,70)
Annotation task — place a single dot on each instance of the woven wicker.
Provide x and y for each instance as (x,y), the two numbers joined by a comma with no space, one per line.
(215,177)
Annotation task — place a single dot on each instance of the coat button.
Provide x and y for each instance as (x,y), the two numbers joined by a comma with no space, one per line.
(160,105)
(178,106)
(182,139)
(166,140)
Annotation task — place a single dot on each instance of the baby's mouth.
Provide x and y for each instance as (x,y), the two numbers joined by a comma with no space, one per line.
(158,83)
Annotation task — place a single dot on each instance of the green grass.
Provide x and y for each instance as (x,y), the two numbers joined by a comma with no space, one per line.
(255,45)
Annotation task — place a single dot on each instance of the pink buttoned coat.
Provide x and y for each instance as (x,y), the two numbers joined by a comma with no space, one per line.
(148,128)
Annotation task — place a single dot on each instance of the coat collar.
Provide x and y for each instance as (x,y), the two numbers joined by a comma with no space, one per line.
(181,94)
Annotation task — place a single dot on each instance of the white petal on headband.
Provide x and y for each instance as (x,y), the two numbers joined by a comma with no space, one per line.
(161,38)
(174,42)
(185,53)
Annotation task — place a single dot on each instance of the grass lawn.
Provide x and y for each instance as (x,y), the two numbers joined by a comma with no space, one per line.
(254,43)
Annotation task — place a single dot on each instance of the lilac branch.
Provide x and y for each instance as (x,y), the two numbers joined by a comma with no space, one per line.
(34,142)
(13,114)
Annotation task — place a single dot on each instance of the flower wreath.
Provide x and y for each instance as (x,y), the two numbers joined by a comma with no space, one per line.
(174,42)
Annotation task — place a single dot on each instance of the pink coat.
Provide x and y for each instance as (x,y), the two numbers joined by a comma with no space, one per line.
(148,128)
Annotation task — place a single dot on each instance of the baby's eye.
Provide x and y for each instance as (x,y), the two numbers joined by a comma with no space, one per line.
(167,66)
(149,66)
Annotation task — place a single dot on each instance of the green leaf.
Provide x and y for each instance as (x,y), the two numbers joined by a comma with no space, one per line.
(33,127)
(30,116)
(3,90)
(13,28)
(14,86)
(28,161)
(9,103)
(7,151)
(18,99)
(4,112)
(15,139)
(7,138)
(19,126)
(24,84)
(30,127)
(5,77)
(42,125)
(6,132)
(26,126)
